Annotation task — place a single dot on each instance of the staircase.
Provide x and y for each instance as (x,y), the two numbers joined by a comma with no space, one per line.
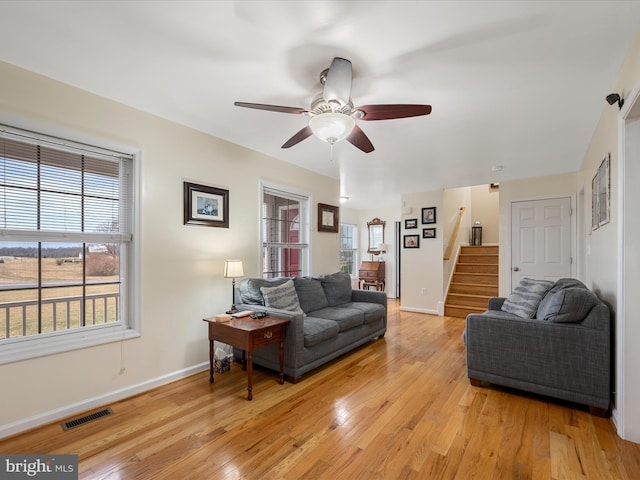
(474,281)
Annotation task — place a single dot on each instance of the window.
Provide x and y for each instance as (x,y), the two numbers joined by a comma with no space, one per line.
(285,230)
(348,248)
(66,214)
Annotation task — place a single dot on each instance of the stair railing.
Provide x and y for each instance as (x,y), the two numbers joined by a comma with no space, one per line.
(454,236)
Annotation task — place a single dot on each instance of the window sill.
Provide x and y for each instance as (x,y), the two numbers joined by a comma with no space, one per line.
(24,348)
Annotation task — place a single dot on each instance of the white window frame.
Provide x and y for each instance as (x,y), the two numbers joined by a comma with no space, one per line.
(304,221)
(33,346)
(354,247)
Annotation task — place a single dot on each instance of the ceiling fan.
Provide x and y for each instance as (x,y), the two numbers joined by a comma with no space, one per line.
(332,114)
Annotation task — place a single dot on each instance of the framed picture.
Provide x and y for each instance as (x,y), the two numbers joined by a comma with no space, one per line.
(328,220)
(429,215)
(428,233)
(204,205)
(412,241)
(411,223)
(601,195)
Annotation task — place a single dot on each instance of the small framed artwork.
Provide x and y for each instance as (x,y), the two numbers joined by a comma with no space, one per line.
(411,223)
(601,195)
(429,215)
(207,206)
(428,233)
(412,241)
(328,218)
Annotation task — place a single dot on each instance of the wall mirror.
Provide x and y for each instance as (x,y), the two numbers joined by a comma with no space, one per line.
(376,235)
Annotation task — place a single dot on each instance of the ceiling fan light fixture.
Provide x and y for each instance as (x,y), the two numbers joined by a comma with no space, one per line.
(331,127)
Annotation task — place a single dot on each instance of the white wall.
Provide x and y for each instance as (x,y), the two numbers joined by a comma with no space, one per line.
(349,215)
(485,205)
(181,265)
(602,246)
(421,271)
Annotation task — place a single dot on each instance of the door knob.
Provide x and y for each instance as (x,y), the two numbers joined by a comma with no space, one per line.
(516,269)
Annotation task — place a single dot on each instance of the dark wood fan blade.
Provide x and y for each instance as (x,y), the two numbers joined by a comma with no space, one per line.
(388,112)
(298,137)
(271,108)
(358,139)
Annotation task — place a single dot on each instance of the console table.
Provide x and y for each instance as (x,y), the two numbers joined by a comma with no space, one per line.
(248,334)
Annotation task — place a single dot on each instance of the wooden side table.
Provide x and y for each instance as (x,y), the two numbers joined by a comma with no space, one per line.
(248,334)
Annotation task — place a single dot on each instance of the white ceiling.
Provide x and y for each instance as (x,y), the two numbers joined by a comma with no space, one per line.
(513,83)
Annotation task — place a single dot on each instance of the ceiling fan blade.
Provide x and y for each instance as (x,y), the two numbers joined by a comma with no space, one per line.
(388,112)
(337,86)
(298,137)
(358,139)
(271,108)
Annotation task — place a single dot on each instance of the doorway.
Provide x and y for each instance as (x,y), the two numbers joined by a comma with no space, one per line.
(397,239)
(627,328)
(541,239)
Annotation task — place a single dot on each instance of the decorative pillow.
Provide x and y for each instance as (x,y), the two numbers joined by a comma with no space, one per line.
(568,283)
(337,288)
(568,305)
(550,303)
(526,297)
(282,296)
(249,289)
(310,294)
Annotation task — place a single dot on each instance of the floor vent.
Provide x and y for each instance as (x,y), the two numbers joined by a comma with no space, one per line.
(76,422)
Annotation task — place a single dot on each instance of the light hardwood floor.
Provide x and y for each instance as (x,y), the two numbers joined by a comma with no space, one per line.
(400,407)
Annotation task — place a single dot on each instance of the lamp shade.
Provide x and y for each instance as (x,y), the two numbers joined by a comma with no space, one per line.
(331,127)
(233,268)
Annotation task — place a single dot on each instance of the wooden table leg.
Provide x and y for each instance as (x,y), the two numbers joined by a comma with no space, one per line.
(210,361)
(249,372)
(281,362)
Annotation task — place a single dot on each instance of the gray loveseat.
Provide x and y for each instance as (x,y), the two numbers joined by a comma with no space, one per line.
(328,318)
(562,351)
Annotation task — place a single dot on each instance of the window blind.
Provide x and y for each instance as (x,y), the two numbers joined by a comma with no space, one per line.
(62,189)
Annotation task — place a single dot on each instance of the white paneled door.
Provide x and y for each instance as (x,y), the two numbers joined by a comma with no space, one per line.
(541,239)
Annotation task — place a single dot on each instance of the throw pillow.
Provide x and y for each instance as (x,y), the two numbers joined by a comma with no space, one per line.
(249,289)
(550,303)
(568,283)
(526,297)
(310,294)
(568,305)
(337,288)
(282,296)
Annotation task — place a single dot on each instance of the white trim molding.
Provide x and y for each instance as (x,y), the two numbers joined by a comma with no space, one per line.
(96,402)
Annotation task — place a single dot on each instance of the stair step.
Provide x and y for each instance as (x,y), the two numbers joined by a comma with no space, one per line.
(477,278)
(476,268)
(461,299)
(461,311)
(484,258)
(474,289)
(482,249)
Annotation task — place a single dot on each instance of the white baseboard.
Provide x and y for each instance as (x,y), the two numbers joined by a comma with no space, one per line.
(419,310)
(99,401)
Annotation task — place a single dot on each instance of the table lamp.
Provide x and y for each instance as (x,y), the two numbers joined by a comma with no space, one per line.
(233,269)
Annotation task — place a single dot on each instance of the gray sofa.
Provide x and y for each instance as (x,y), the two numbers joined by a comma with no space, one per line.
(328,318)
(563,350)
